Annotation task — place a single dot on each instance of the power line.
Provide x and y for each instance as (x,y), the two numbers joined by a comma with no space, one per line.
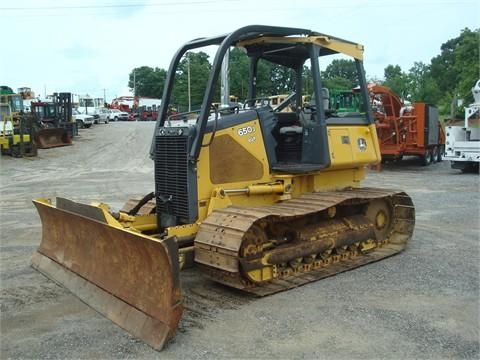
(203,2)
(171,7)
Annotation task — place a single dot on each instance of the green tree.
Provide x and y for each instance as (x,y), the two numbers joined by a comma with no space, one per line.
(396,80)
(338,83)
(456,69)
(467,63)
(340,74)
(147,81)
(271,79)
(421,85)
(265,86)
(282,79)
(239,78)
(198,66)
(307,80)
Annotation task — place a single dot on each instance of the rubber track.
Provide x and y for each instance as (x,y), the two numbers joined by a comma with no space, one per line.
(230,224)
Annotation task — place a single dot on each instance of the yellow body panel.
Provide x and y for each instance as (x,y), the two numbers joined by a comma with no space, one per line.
(341,46)
(251,142)
(5,141)
(242,152)
(353,146)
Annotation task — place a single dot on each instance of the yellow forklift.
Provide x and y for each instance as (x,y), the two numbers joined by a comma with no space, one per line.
(16,128)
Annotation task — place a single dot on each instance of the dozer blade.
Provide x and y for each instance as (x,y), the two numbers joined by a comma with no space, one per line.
(130,278)
(53,137)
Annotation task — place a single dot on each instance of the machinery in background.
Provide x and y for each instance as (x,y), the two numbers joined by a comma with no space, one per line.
(16,129)
(463,141)
(345,101)
(123,103)
(255,198)
(139,108)
(15,133)
(406,129)
(146,108)
(143,113)
(55,125)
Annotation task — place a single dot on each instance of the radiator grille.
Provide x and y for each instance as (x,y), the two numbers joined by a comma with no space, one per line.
(171,175)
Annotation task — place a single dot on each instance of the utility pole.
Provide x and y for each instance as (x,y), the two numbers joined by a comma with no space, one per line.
(104,97)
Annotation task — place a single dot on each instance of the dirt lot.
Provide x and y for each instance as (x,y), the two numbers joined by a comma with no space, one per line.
(422,303)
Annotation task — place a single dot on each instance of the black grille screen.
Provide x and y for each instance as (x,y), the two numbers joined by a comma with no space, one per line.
(171,175)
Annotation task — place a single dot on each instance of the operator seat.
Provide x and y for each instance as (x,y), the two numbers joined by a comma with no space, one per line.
(307,113)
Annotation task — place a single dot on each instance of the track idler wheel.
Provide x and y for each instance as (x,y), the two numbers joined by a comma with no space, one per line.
(379,211)
(253,242)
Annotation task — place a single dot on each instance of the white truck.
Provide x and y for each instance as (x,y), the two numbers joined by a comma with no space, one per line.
(93,107)
(462,144)
(82,120)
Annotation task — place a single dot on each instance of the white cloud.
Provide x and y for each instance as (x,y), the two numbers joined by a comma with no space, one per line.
(87,46)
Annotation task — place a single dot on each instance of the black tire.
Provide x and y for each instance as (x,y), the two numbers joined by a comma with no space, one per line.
(115,118)
(427,157)
(470,168)
(441,150)
(80,124)
(87,126)
(15,151)
(435,152)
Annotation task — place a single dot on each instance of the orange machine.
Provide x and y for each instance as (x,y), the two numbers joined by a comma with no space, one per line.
(406,129)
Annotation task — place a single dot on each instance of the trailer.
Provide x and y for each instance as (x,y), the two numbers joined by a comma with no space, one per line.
(406,129)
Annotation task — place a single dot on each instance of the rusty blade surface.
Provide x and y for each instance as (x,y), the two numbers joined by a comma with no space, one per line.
(49,138)
(131,279)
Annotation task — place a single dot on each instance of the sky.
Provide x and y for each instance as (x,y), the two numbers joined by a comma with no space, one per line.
(91,46)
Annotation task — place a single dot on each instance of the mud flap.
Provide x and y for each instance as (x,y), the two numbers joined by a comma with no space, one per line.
(130,278)
(53,137)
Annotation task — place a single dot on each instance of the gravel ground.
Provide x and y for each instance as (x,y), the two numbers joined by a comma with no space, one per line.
(422,303)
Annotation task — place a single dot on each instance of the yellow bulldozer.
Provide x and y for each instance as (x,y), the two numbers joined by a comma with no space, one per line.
(256,198)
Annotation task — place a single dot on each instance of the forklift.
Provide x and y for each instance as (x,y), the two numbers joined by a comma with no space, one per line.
(54,125)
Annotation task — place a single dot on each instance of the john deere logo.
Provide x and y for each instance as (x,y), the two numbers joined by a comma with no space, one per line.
(362,144)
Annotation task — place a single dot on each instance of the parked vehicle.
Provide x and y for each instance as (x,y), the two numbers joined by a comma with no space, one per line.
(463,140)
(103,115)
(116,115)
(90,106)
(82,120)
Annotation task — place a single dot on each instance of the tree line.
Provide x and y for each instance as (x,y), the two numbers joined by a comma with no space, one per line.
(448,77)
